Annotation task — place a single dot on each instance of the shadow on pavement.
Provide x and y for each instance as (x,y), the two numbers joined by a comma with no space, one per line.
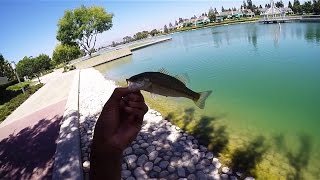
(30,152)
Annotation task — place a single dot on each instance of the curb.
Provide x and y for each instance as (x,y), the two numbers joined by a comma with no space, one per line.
(67,161)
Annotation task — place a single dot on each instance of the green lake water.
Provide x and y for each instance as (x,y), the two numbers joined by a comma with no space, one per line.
(265,81)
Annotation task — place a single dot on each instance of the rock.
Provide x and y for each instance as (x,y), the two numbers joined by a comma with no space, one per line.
(192,177)
(171,169)
(225,170)
(125,173)
(163,164)
(153,174)
(86,166)
(201,175)
(163,174)
(249,178)
(142,160)
(141,141)
(85,159)
(139,173)
(218,165)
(205,162)
(233,178)
(148,166)
(191,168)
(224,177)
(158,148)
(195,141)
(157,160)
(181,172)
(172,177)
(135,146)
(194,146)
(132,165)
(202,148)
(169,153)
(166,158)
(239,174)
(150,149)
(209,155)
(153,155)
(183,138)
(124,166)
(157,169)
(130,178)
(177,153)
(127,151)
(138,138)
(199,166)
(144,145)
(130,159)
(139,151)
(215,160)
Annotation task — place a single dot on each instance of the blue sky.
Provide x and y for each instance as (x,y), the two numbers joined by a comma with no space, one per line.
(29,28)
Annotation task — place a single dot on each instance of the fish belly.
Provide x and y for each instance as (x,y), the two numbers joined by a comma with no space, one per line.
(167,91)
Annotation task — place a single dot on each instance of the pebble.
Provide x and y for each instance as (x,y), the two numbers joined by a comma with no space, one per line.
(124,166)
(163,164)
(209,155)
(225,170)
(86,166)
(157,168)
(171,169)
(148,166)
(142,160)
(181,172)
(139,138)
(130,178)
(191,168)
(127,151)
(192,177)
(144,145)
(163,174)
(157,160)
(139,172)
(201,175)
(130,159)
(166,158)
(139,151)
(153,155)
(135,146)
(224,176)
(249,178)
(125,173)
(233,178)
(150,149)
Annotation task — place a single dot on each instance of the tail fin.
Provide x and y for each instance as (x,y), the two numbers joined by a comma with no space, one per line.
(202,99)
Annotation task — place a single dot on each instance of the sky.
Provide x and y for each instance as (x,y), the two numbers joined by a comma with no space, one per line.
(29,28)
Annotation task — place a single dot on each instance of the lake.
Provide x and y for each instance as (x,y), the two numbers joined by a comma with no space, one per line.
(266,83)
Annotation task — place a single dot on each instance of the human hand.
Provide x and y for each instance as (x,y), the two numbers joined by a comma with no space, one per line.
(120,121)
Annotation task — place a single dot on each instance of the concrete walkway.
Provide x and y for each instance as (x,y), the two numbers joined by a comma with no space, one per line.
(28,136)
(56,88)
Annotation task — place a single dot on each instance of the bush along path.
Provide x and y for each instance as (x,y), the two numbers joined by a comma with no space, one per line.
(161,149)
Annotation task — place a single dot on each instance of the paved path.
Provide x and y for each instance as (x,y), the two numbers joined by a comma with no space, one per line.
(56,89)
(28,136)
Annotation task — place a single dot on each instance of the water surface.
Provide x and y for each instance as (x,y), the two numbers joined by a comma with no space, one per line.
(265,81)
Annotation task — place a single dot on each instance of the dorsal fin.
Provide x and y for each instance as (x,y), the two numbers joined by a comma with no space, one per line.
(184,78)
(164,71)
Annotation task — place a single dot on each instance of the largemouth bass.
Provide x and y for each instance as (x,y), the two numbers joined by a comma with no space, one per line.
(163,84)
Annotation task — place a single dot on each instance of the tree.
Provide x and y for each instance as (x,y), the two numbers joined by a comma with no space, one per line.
(260,6)
(6,69)
(180,20)
(211,15)
(307,7)
(316,6)
(250,5)
(176,23)
(43,62)
(279,4)
(215,11)
(153,32)
(82,25)
(244,5)
(127,39)
(170,26)
(296,8)
(222,9)
(141,35)
(165,29)
(290,5)
(25,66)
(64,53)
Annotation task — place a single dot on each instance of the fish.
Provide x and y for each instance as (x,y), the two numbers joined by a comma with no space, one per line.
(162,83)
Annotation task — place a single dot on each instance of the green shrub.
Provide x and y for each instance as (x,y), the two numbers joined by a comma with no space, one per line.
(17,87)
(14,103)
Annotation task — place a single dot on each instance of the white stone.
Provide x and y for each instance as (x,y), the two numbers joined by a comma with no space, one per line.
(86,166)
(249,178)
(153,155)
(225,170)
(209,155)
(139,172)
(130,159)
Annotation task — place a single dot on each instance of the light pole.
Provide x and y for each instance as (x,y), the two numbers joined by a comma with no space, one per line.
(13,65)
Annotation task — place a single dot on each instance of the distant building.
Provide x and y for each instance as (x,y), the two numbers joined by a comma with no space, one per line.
(202,20)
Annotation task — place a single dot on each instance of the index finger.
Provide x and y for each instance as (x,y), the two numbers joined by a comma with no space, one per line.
(120,92)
